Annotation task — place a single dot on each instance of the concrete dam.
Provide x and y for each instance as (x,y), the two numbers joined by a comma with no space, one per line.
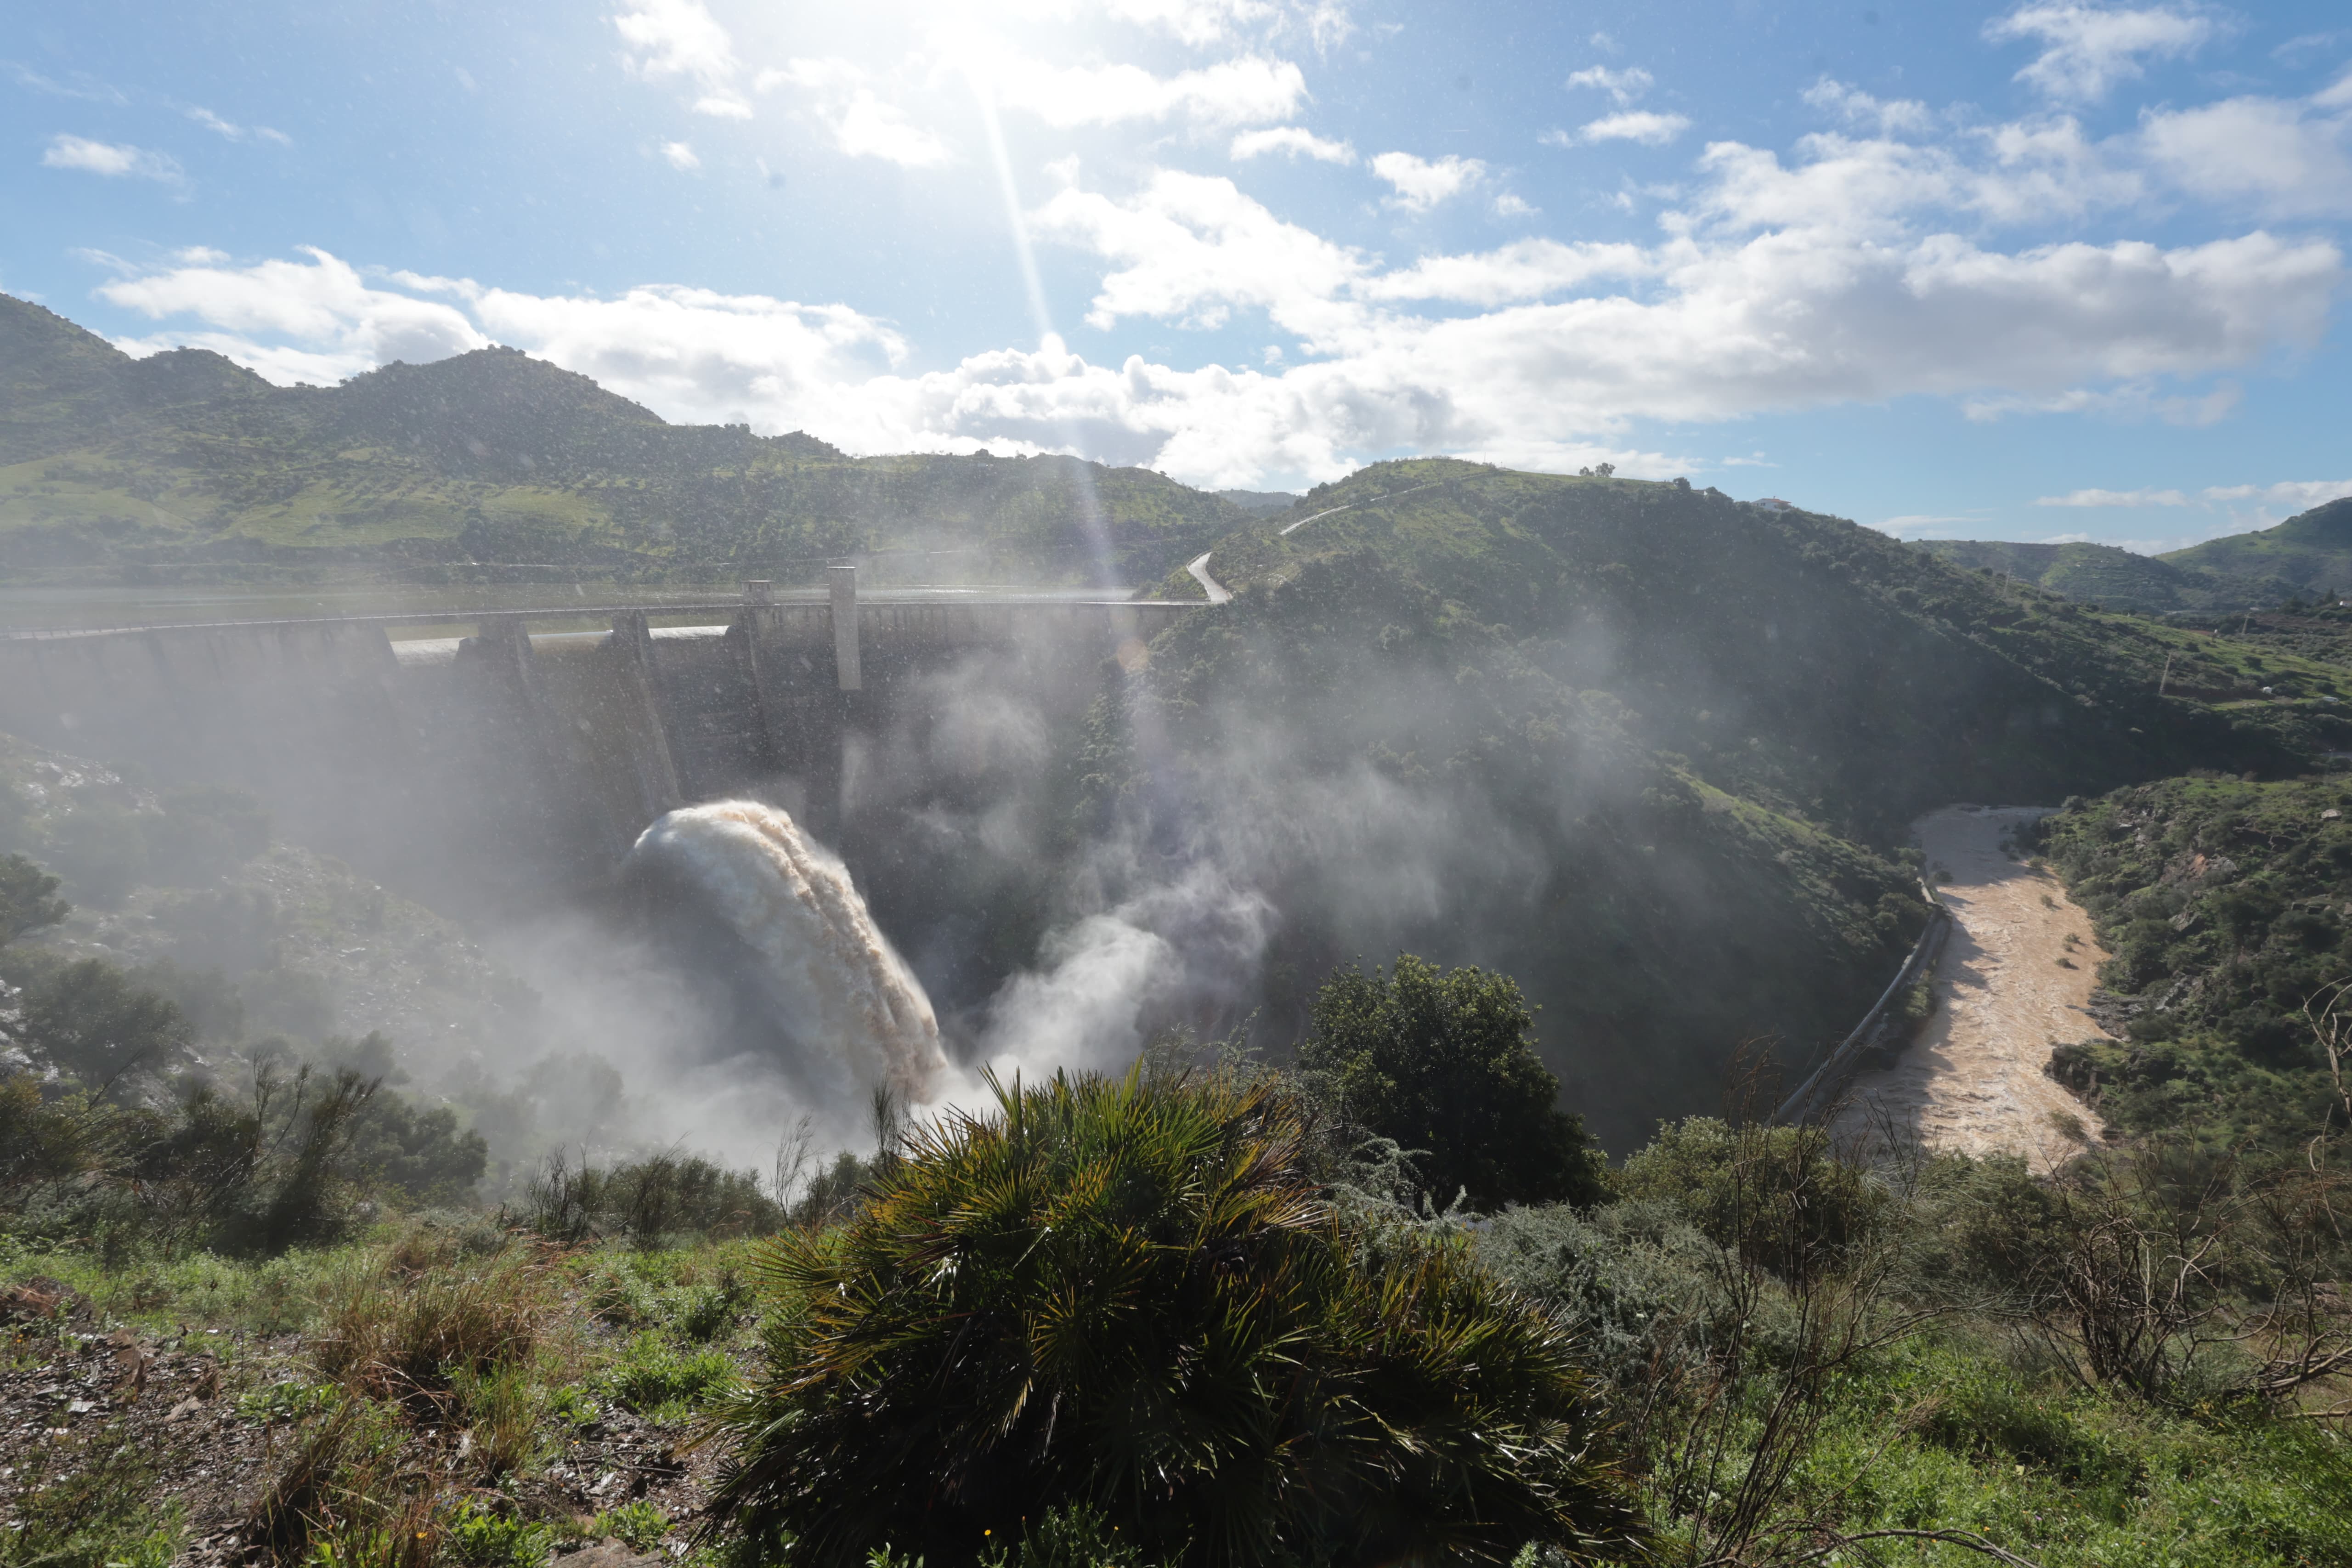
(524,762)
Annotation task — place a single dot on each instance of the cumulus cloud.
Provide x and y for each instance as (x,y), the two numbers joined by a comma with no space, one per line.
(2284,158)
(1849,268)
(1293,140)
(1526,269)
(1192,248)
(1421,183)
(1855,107)
(681,155)
(681,39)
(1635,125)
(112,160)
(2086,50)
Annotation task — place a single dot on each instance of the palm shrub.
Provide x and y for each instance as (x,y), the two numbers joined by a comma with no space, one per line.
(1132,1296)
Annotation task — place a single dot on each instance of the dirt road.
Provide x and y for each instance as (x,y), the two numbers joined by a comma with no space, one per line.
(2009,986)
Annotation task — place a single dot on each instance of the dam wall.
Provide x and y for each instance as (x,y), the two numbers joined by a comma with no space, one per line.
(530,759)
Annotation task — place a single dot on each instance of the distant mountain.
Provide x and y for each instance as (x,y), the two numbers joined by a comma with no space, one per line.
(2304,556)
(2308,553)
(184,465)
(2095,573)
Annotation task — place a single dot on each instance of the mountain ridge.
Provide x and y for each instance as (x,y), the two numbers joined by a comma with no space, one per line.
(182,465)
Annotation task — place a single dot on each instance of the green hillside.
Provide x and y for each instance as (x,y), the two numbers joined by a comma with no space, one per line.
(1800,661)
(184,466)
(2308,553)
(2105,575)
(1651,750)
(2305,555)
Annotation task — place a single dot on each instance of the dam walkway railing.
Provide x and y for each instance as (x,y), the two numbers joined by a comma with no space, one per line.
(1879,1033)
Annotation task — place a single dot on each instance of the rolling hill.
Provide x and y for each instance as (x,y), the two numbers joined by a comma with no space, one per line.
(2308,554)
(184,466)
(2105,574)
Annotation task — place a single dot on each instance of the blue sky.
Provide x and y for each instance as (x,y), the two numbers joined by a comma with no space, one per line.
(2025,270)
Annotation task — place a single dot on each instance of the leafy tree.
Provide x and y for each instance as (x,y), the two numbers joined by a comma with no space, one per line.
(1441,1062)
(1133,1296)
(26,900)
(98,1024)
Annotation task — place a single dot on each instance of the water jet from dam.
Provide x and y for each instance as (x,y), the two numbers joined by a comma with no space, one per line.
(810,970)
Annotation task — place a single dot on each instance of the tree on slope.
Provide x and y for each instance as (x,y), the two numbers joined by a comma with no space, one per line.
(1442,1062)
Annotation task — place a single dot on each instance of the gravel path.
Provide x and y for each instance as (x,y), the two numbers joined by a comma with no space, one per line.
(2009,986)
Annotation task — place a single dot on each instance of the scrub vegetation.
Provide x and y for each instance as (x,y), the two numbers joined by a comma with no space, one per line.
(1200,1315)
(492,466)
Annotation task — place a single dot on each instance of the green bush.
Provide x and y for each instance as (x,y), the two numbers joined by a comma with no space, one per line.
(482,1538)
(97,1023)
(1441,1063)
(1773,1193)
(654,1377)
(639,1526)
(26,900)
(1135,1294)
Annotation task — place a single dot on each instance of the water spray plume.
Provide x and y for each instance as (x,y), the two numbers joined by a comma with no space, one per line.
(836,985)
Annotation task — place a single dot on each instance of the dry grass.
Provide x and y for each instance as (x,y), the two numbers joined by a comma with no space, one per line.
(410,1329)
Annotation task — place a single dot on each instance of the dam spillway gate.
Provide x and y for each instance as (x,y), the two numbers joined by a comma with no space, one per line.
(541,753)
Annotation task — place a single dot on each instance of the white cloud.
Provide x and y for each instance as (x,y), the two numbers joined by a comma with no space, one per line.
(2283,158)
(1422,184)
(1205,22)
(1637,125)
(682,156)
(2116,498)
(1509,205)
(2300,495)
(1624,86)
(1833,278)
(2086,50)
(864,124)
(1192,248)
(1294,140)
(219,127)
(1921,521)
(2292,495)
(336,323)
(1525,269)
(112,160)
(681,38)
(1855,107)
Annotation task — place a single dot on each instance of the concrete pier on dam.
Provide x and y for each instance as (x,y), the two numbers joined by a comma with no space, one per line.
(520,763)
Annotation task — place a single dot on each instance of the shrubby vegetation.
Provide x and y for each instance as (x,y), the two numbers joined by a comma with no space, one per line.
(2223,902)
(1441,1064)
(1135,1297)
(495,465)
(1212,1314)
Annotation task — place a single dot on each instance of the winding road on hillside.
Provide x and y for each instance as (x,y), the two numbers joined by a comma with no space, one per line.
(2010,986)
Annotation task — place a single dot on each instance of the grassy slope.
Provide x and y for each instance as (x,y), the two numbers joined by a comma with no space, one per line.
(2103,574)
(1804,662)
(2226,904)
(1693,713)
(184,464)
(2310,551)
